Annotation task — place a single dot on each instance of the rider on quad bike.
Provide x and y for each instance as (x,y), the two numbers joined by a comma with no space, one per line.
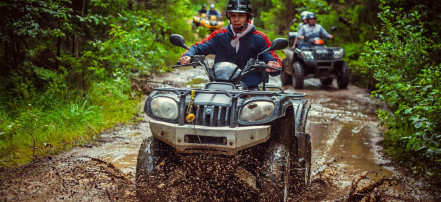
(203,10)
(311,31)
(312,59)
(303,17)
(225,127)
(237,43)
(213,11)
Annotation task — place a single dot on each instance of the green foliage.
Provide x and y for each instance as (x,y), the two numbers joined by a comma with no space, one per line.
(284,15)
(66,68)
(409,82)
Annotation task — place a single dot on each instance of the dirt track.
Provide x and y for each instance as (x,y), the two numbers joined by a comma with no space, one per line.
(348,164)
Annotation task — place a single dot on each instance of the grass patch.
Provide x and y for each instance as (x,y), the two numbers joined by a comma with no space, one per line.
(36,130)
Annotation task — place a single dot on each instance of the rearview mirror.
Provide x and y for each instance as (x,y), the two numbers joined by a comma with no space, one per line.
(178,40)
(277,44)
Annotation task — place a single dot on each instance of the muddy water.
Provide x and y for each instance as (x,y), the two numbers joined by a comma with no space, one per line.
(347,159)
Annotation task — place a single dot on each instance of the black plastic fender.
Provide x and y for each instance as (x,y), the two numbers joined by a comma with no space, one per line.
(301,110)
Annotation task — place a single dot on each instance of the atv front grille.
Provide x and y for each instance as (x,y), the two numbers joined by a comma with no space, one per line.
(216,116)
(323,54)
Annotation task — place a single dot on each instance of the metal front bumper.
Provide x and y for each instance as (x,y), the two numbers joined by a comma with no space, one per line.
(232,139)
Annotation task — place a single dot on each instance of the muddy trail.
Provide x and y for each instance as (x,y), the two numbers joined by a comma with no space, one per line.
(348,163)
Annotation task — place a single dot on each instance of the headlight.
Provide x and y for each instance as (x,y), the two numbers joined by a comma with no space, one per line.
(164,107)
(308,55)
(339,53)
(255,111)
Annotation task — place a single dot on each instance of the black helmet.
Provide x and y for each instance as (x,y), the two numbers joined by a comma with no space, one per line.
(239,6)
(311,16)
(204,5)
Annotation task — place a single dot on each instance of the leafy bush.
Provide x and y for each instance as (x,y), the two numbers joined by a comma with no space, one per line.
(70,78)
(408,81)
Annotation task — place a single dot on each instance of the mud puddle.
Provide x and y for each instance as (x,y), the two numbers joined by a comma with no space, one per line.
(347,161)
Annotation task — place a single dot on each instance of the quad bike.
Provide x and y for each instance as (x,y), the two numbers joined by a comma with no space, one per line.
(319,61)
(212,24)
(259,132)
(197,19)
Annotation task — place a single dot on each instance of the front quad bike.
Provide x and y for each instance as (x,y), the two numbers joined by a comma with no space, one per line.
(259,132)
(319,61)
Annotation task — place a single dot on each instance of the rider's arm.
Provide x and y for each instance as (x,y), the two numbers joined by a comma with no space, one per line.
(294,44)
(324,33)
(301,33)
(270,58)
(295,40)
(204,47)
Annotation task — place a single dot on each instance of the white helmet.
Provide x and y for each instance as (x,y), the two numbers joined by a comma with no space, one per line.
(212,6)
(304,14)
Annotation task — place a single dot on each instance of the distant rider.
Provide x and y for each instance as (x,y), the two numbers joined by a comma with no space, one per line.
(203,10)
(213,11)
(237,43)
(312,30)
(303,16)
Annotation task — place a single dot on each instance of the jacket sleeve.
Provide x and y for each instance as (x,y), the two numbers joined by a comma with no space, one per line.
(323,32)
(269,56)
(204,47)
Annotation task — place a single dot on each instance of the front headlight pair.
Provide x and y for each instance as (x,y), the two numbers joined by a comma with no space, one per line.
(308,55)
(339,53)
(255,111)
(167,108)
(164,107)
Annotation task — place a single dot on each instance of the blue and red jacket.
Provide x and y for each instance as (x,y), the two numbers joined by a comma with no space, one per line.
(251,44)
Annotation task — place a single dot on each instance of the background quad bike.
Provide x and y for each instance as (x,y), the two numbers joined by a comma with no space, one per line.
(281,165)
(297,67)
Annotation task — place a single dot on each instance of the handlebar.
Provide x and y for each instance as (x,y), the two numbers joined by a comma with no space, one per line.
(252,64)
(260,66)
(195,60)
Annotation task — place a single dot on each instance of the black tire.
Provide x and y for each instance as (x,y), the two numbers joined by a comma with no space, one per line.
(298,76)
(343,78)
(302,170)
(326,82)
(155,160)
(284,77)
(274,183)
(276,179)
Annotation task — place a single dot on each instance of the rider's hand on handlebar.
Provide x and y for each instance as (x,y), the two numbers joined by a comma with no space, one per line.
(302,37)
(330,36)
(184,60)
(273,64)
